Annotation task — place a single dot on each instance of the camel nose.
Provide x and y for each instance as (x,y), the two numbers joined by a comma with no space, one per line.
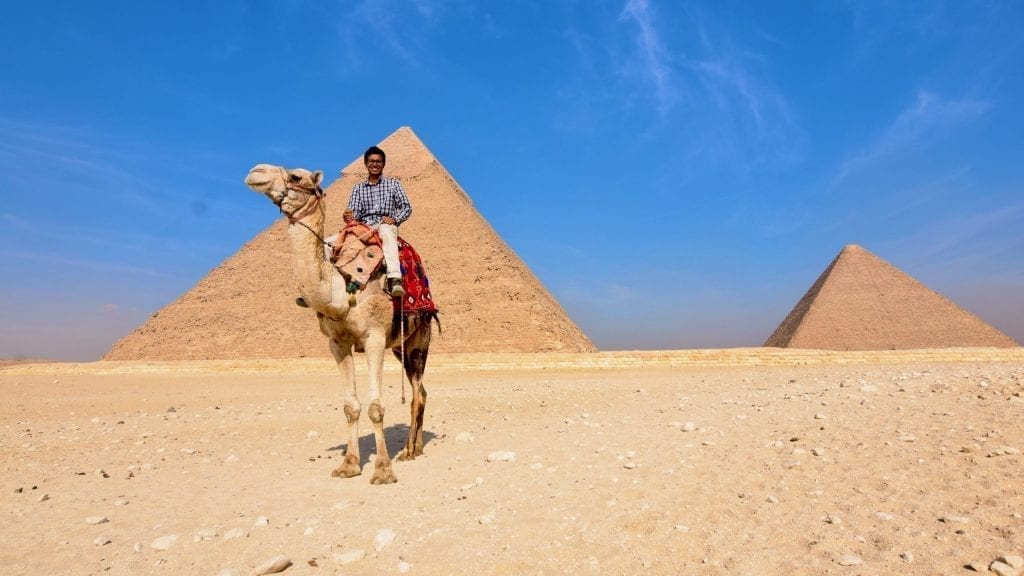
(260,174)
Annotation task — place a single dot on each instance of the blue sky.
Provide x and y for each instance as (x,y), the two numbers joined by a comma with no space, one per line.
(676,173)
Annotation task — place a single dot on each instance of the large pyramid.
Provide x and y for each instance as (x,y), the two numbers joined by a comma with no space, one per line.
(489,300)
(861,302)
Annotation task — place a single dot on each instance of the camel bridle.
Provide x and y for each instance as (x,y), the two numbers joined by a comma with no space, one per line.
(315,192)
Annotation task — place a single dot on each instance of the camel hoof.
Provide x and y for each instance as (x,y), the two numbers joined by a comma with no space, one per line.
(383,475)
(348,468)
(346,471)
(406,454)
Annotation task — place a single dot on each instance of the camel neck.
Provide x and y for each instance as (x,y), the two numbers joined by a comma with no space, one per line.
(312,269)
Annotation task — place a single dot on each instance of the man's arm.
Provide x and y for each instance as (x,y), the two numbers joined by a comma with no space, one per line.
(354,207)
(402,203)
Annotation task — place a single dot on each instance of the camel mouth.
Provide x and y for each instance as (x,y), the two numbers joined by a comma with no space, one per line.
(260,176)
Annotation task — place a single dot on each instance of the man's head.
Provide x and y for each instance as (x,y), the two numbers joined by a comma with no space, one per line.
(373,151)
(374,160)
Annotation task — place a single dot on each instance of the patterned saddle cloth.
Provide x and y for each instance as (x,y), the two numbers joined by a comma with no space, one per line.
(358,255)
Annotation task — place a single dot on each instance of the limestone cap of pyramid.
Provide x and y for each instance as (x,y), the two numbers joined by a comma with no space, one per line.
(862,302)
(407,156)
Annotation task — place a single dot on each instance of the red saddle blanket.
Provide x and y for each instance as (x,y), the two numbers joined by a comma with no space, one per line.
(414,280)
(358,255)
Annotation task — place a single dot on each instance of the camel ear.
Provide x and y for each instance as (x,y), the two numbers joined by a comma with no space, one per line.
(318,177)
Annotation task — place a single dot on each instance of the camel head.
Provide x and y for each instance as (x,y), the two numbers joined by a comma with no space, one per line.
(288,189)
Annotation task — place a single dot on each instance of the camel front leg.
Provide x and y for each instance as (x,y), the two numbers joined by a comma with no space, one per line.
(382,473)
(343,356)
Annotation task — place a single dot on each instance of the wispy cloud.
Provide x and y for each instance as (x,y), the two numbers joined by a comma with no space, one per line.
(389,21)
(653,56)
(35,258)
(747,118)
(928,119)
(964,242)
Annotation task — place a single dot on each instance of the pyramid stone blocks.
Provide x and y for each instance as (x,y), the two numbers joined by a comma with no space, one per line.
(861,302)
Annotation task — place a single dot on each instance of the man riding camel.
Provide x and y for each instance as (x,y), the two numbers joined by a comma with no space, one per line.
(380,203)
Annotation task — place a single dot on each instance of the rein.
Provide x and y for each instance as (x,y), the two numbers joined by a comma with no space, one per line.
(306,210)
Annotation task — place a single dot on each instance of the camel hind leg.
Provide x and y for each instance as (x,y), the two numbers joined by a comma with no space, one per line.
(415,362)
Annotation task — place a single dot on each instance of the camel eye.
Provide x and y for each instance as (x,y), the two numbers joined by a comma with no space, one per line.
(294,177)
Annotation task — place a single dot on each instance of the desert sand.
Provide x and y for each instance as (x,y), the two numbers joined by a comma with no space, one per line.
(746,461)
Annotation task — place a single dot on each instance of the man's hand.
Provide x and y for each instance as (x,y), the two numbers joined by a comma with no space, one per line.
(348,216)
(388,220)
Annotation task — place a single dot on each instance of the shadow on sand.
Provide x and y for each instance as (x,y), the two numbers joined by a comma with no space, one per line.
(395,435)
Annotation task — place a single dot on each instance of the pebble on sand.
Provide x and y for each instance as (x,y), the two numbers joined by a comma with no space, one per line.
(1013,561)
(262,521)
(350,556)
(164,542)
(236,533)
(849,560)
(501,456)
(204,534)
(101,541)
(1003,569)
(383,539)
(277,564)
(96,520)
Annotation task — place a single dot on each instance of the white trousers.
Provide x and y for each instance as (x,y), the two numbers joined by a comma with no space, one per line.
(389,243)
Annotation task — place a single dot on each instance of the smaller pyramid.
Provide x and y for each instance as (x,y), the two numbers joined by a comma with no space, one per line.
(861,302)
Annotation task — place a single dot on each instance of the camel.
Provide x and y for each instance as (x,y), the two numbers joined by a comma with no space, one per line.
(364,323)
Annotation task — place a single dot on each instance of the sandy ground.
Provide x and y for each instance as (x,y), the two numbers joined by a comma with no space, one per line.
(673,463)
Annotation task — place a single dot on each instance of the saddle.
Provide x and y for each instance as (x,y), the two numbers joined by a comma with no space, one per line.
(358,255)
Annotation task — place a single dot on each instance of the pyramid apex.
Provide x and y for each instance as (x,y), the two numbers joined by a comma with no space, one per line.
(407,156)
(853,248)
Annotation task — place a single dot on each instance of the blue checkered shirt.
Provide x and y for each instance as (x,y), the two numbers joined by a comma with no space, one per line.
(371,202)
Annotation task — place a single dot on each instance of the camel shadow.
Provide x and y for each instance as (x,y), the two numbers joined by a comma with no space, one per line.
(395,435)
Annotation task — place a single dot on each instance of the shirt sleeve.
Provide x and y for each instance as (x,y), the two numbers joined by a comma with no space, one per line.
(354,204)
(402,205)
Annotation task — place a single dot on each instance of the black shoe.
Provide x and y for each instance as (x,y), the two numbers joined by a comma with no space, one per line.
(301,302)
(395,288)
